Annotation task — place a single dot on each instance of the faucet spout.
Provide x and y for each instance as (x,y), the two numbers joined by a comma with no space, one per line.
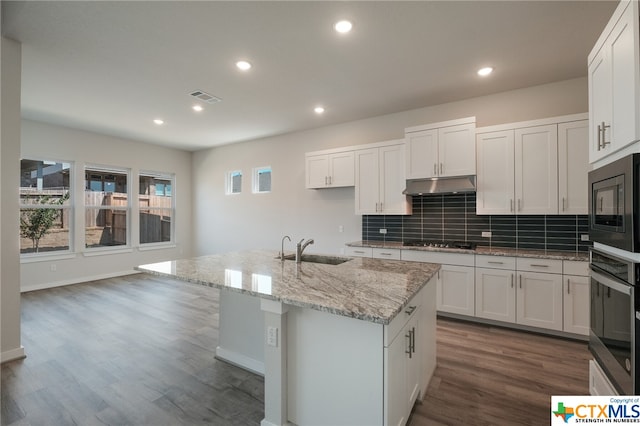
(300,248)
(282,246)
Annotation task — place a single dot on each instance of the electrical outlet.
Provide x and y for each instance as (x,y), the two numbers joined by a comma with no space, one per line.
(383,230)
(486,234)
(53,267)
(340,228)
(584,237)
(272,336)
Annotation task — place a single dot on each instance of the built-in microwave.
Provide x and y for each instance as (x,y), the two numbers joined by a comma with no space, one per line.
(613,204)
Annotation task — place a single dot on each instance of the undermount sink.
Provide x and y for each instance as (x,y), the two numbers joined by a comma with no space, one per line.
(318,258)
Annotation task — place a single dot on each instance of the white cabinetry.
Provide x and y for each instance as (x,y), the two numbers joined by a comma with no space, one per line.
(456,279)
(614,80)
(518,171)
(380,179)
(330,170)
(441,149)
(495,288)
(573,167)
(539,300)
(599,384)
(577,288)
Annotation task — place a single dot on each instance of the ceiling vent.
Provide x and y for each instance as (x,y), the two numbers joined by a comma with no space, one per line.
(205,97)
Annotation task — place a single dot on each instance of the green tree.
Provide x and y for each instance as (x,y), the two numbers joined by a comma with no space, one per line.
(35,223)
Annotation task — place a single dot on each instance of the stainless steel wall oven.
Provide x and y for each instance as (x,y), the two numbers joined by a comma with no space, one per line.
(615,318)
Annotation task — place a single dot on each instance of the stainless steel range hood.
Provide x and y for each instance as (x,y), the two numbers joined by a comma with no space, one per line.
(449,185)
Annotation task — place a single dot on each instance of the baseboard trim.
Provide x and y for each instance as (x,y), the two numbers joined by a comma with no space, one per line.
(240,360)
(12,355)
(79,280)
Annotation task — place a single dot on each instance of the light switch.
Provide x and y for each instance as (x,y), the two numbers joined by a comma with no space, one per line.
(272,336)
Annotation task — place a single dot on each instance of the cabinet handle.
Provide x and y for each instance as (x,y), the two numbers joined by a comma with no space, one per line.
(410,310)
(511,280)
(386,254)
(358,251)
(325,181)
(495,263)
(520,281)
(441,168)
(330,180)
(413,339)
(381,207)
(599,137)
(563,204)
(435,169)
(568,286)
(519,206)
(511,205)
(537,265)
(604,132)
(409,350)
(376,207)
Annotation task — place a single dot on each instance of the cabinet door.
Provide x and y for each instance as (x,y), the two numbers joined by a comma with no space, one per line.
(395,397)
(422,154)
(576,304)
(317,171)
(536,170)
(573,167)
(496,294)
(495,173)
(456,290)
(457,150)
(341,169)
(367,190)
(599,102)
(539,300)
(392,181)
(623,56)
(413,363)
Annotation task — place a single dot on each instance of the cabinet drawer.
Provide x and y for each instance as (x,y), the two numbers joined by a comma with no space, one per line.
(397,324)
(461,259)
(551,266)
(381,253)
(575,267)
(495,262)
(358,251)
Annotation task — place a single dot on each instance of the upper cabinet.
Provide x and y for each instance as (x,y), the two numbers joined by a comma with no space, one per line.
(537,167)
(614,84)
(380,179)
(441,149)
(330,170)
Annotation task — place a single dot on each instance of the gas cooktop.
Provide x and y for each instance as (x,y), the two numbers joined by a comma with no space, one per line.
(462,245)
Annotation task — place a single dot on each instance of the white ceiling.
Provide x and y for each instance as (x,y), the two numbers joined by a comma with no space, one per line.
(112,67)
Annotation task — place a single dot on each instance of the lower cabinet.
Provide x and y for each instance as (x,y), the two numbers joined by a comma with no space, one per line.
(456,290)
(539,300)
(496,294)
(599,384)
(576,304)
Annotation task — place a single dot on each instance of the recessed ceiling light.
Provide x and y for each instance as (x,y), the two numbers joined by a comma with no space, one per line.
(343,26)
(158,121)
(483,72)
(197,108)
(243,65)
(318,110)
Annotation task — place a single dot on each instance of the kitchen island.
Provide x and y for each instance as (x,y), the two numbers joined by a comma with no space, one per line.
(351,343)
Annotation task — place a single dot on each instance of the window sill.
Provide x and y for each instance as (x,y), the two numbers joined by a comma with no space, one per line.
(157,246)
(33,258)
(106,251)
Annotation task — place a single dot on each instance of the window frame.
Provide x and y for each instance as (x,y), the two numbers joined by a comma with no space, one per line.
(90,167)
(256,179)
(70,207)
(166,176)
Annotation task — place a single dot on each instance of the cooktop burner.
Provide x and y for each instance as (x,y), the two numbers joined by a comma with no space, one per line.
(463,245)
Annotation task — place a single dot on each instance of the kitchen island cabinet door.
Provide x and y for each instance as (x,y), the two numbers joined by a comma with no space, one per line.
(495,186)
(539,300)
(496,294)
(456,290)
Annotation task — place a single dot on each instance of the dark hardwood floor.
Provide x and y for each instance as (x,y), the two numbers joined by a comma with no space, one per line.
(138,350)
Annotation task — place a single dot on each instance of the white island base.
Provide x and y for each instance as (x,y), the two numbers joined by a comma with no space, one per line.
(326,369)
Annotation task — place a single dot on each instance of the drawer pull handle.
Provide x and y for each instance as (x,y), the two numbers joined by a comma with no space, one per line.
(386,254)
(539,266)
(568,286)
(511,280)
(410,310)
(358,251)
(496,263)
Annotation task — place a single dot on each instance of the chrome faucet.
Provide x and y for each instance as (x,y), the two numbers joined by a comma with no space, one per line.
(282,246)
(300,248)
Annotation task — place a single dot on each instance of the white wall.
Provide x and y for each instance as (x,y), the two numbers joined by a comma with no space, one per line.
(11,57)
(232,222)
(45,141)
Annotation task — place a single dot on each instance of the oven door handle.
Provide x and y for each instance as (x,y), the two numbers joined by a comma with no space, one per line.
(611,283)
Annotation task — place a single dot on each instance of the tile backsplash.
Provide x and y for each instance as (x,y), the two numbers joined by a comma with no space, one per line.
(452,217)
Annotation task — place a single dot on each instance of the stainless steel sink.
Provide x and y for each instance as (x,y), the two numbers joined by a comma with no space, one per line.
(318,258)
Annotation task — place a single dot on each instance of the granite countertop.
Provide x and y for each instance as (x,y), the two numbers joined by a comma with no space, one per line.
(484,250)
(373,290)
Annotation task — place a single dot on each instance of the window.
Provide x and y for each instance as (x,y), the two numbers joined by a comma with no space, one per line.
(155,198)
(234,182)
(106,207)
(262,179)
(45,206)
